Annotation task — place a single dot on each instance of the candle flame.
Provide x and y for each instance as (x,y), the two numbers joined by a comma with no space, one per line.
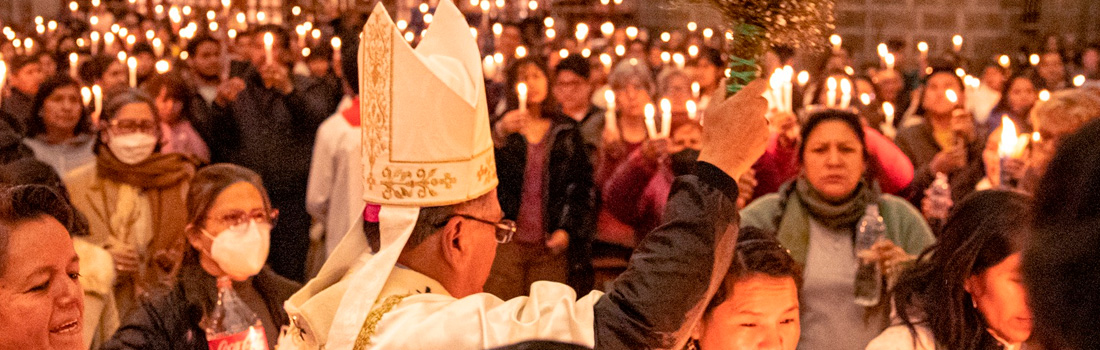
(922,47)
(845,86)
(888,111)
(1079,80)
(1044,95)
(1034,59)
(522,89)
(803,78)
(835,40)
(609,95)
(1035,137)
(865,99)
(1004,61)
(831,83)
(692,109)
(952,96)
(649,111)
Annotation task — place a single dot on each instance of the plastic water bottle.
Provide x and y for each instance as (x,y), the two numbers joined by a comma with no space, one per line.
(232,325)
(939,198)
(869,283)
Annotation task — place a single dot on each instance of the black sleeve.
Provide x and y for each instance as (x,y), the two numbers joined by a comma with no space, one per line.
(676,270)
(309,104)
(579,190)
(147,326)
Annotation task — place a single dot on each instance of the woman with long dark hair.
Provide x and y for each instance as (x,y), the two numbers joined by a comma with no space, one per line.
(545,186)
(965,292)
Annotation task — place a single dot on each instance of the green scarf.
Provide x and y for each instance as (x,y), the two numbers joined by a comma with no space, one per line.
(802,202)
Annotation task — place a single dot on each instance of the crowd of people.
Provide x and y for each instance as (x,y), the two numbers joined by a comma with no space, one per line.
(184,156)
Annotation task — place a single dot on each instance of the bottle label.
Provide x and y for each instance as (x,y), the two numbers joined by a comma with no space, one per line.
(252,338)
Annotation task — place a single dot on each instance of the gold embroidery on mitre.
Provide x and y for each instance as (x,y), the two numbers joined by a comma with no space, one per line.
(376,90)
(404,183)
(370,325)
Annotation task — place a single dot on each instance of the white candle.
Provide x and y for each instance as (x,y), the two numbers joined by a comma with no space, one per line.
(695,89)
(336,44)
(97,95)
(666,118)
(73,58)
(521,88)
(845,93)
(788,88)
(693,110)
(86,96)
(3,75)
(94,35)
(132,64)
(269,41)
(830,94)
(610,121)
(923,48)
(836,41)
(1004,61)
(1007,149)
(957,41)
(650,124)
(888,112)
(776,89)
(890,60)
(803,79)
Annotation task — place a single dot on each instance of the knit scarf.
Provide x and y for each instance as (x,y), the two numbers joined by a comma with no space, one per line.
(801,202)
(163,179)
(844,214)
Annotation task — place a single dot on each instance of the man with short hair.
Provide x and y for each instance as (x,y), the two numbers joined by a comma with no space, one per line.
(25,75)
(573,92)
(409,275)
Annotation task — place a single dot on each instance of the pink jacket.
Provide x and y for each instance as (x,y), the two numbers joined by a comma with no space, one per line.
(636,193)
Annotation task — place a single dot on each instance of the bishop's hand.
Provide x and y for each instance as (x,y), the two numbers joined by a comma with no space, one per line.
(735,131)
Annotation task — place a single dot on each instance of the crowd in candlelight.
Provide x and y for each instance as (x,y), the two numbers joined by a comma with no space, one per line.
(142,121)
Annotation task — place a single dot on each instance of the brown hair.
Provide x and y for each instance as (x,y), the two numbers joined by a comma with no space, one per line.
(19,204)
(210,181)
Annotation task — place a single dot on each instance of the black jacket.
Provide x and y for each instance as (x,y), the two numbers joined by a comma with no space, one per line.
(567,190)
(673,274)
(169,318)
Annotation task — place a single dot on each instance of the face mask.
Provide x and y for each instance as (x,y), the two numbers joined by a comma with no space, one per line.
(132,148)
(683,162)
(241,254)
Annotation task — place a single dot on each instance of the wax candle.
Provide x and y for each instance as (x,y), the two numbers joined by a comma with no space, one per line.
(957,41)
(1007,151)
(269,41)
(650,124)
(836,41)
(693,110)
(695,90)
(611,123)
(97,96)
(521,89)
(845,93)
(830,93)
(666,118)
(131,63)
(73,58)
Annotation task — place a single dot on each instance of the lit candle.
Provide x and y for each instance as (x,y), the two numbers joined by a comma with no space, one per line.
(695,89)
(86,96)
(836,41)
(521,88)
(269,41)
(952,96)
(845,93)
(163,66)
(631,32)
(1079,80)
(776,89)
(650,124)
(94,35)
(830,93)
(665,57)
(73,58)
(1034,59)
(336,44)
(788,88)
(132,64)
(679,59)
(1007,151)
(3,75)
(803,79)
(666,118)
(957,41)
(158,47)
(97,96)
(582,33)
(1004,61)
(605,59)
(889,59)
(611,124)
(887,126)
(521,51)
(607,28)
(1044,95)
(883,50)
(865,99)
(693,110)
(923,48)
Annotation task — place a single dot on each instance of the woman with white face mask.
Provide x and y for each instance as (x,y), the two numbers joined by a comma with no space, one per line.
(133,196)
(228,235)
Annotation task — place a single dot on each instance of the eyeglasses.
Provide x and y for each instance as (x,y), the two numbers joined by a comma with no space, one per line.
(505,228)
(238,220)
(122,127)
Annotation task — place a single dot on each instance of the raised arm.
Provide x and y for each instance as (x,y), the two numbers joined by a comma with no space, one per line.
(678,267)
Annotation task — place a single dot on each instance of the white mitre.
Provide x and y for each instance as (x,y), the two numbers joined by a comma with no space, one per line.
(426,142)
